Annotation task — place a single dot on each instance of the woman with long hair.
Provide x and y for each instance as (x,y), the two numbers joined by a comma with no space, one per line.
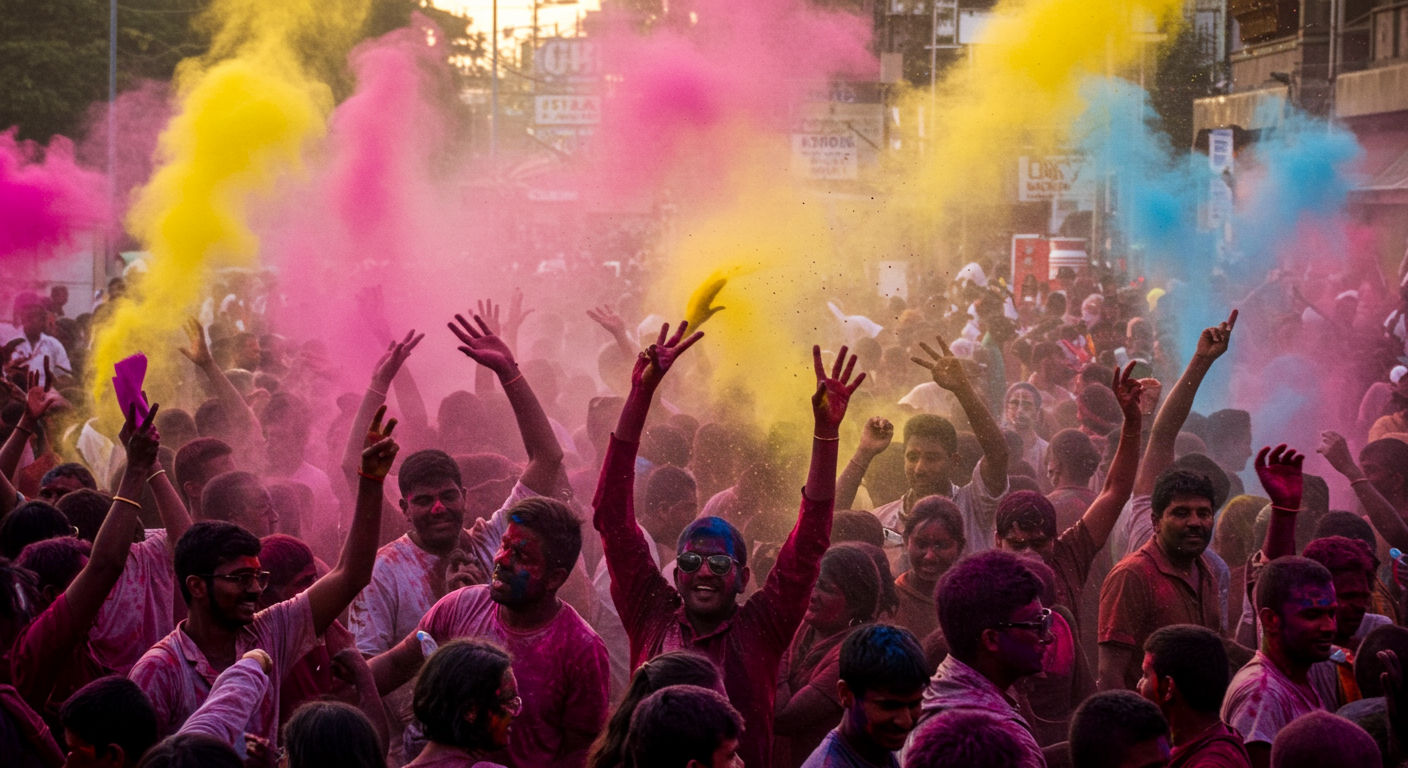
(667,669)
(465,701)
(330,734)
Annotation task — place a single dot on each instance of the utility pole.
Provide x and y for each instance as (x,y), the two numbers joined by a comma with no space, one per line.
(112,129)
(494,87)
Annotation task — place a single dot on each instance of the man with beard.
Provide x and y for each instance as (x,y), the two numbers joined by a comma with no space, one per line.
(560,663)
(217,566)
(1169,580)
(1295,599)
(1352,567)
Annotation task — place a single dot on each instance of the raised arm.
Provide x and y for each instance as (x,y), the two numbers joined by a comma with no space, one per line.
(1102,514)
(330,595)
(38,398)
(490,351)
(875,437)
(169,507)
(948,373)
(607,318)
(383,373)
(829,403)
(1387,520)
(415,418)
(1159,455)
(1282,478)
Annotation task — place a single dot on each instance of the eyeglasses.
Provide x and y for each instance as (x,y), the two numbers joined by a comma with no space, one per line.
(513,706)
(1042,626)
(689,562)
(247,580)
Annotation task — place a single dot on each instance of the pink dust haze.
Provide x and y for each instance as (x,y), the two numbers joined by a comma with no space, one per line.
(46,198)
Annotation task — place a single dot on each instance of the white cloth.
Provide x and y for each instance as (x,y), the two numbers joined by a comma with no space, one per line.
(138,611)
(47,346)
(1261,701)
(230,705)
(978,507)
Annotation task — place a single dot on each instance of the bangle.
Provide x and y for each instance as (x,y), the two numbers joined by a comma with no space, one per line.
(1275,508)
(857,464)
(510,381)
(370,388)
(25,430)
(154,474)
(372,478)
(127,501)
(826,439)
(1360,480)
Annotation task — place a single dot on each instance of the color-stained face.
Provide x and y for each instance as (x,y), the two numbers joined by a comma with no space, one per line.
(887,716)
(1307,623)
(234,591)
(705,593)
(932,551)
(257,514)
(1023,648)
(520,575)
(1150,686)
(927,466)
(1353,597)
(509,706)
(58,488)
(827,610)
(1021,409)
(1022,541)
(436,513)
(1384,479)
(726,755)
(81,754)
(1185,528)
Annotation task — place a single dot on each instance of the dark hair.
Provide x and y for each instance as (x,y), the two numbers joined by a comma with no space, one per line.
(851,571)
(1223,425)
(86,510)
(889,597)
(669,485)
(1099,401)
(854,525)
(1175,482)
(462,676)
(207,545)
(1340,522)
(979,592)
(672,668)
(711,527)
(1284,575)
(427,467)
(19,593)
(1319,739)
(935,508)
(1394,453)
(964,738)
(288,407)
(1027,511)
(1201,464)
(1021,386)
(680,723)
(1044,350)
(554,521)
(1106,726)
(55,561)
(1196,660)
(1342,555)
(1367,667)
(285,558)
(112,710)
(192,461)
(225,494)
(880,656)
(330,734)
(929,426)
(30,522)
(191,750)
(662,444)
(211,419)
(72,470)
(1075,453)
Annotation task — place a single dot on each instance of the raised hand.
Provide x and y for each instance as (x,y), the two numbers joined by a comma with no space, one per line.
(516,315)
(1213,341)
(876,436)
(700,304)
(378,449)
(946,369)
(390,362)
(657,359)
(485,347)
(1129,392)
(1281,475)
(1336,451)
(198,352)
(607,318)
(140,438)
(833,393)
(40,398)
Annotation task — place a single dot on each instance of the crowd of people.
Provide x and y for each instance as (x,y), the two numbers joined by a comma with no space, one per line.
(1036,554)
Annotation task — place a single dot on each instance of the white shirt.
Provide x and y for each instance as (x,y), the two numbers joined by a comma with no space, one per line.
(978,507)
(47,346)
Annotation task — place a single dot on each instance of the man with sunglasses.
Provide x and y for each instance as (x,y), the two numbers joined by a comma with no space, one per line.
(220,576)
(990,611)
(700,611)
(410,572)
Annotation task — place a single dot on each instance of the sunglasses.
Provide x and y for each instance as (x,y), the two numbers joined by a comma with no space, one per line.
(1042,626)
(689,562)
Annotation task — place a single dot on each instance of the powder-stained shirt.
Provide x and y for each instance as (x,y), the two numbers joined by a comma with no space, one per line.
(835,752)
(977,507)
(957,687)
(917,612)
(1144,593)
(747,647)
(401,590)
(230,704)
(177,677)
(1261,700)
(1071,558)
(51,659)
(137,612)
(562,673)
(1216,747)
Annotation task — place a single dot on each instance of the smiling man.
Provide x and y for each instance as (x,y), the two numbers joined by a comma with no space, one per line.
(1295,599)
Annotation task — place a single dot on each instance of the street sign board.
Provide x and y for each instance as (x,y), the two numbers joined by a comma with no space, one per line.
(567,109)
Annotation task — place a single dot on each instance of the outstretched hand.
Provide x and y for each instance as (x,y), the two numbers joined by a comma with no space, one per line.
(390,362)
(833,393)
(140,438)
(1129,392)
(1214,341)
(1336,451)
(378,449)
(607,318)
(946,369)
(1281,475)
(199,351)
(700,307)
(656,360)
(485,347)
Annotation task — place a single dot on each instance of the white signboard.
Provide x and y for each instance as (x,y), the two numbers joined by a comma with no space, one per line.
(567,109)
(1220,149)
(863,122)
(824,156)
(1052,178)
(568,60)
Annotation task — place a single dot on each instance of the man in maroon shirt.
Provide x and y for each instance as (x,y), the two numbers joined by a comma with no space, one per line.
(701,611)
(1185,674)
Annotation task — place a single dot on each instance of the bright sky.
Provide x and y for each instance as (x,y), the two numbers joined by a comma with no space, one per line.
(518,14)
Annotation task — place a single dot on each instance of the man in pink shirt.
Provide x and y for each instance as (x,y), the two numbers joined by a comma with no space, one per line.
(218,569)
(700,611)
(560,662)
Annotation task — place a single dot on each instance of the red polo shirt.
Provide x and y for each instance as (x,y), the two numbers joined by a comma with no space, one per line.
(1145,593)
